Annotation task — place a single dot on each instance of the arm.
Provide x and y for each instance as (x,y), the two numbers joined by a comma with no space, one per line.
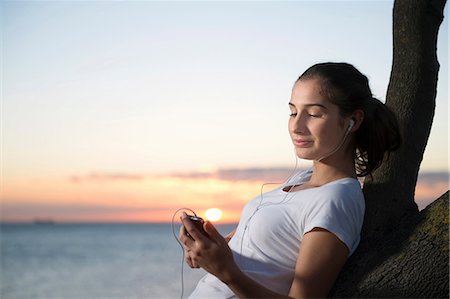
(321,258)
(316,259)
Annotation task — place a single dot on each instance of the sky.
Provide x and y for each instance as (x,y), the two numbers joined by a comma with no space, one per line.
(129,110)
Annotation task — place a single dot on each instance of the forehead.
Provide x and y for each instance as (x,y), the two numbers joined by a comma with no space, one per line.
(306,92)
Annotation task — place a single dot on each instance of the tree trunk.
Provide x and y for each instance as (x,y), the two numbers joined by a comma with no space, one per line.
(407,264)
(404,253)
(411,96)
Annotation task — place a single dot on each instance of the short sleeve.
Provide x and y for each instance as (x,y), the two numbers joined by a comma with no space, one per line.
(338,208)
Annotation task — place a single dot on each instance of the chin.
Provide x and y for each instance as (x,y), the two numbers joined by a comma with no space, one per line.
(302,154)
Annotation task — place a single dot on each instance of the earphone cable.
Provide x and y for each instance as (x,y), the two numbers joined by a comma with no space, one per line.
(261,204)
(182,247)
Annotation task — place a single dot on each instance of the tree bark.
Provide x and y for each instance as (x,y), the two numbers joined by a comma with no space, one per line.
(411,96)
(408,264)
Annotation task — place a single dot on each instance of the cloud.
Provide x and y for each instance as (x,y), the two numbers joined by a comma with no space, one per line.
(271,174)
(432,177)
(107,177)
(430,185)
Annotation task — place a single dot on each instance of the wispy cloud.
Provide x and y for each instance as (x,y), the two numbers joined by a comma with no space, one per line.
(225,174)
(242,174)
(232,174)
(432,177)
(106,177)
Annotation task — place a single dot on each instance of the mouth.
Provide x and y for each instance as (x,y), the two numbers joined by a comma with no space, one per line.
(302,143)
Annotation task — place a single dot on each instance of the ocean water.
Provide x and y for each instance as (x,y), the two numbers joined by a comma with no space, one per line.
(93,261)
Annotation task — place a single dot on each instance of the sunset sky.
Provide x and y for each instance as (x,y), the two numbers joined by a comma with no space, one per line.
(127,111)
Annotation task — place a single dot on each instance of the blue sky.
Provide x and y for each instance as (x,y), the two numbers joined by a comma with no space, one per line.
(164,86)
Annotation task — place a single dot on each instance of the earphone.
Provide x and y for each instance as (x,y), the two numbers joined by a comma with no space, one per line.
(350,126)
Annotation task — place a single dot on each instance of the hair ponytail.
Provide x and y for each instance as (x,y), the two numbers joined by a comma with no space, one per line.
(377,136)
(349,89)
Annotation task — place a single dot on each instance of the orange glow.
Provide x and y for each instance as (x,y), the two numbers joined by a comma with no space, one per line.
(139,199)
(150,199)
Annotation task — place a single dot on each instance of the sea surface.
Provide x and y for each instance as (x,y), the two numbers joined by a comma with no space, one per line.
(93,261)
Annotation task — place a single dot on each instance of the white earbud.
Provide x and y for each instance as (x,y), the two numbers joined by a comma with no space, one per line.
(350,126)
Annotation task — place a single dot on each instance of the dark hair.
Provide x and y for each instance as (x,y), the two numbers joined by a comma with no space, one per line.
(346,87)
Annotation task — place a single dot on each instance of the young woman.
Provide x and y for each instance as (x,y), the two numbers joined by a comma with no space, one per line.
(293,241)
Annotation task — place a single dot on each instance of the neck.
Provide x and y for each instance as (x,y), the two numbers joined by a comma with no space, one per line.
(338,166)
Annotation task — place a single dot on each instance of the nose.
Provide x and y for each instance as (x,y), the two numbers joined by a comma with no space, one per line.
(297,124)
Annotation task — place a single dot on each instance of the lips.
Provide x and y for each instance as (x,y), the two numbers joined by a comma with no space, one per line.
(302,143)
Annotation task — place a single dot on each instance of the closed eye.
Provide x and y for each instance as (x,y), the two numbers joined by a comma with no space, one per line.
(315,115)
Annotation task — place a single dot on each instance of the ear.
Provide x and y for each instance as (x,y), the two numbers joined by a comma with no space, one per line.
(357,117)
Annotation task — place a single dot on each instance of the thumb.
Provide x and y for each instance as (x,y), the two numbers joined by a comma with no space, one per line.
(212,231)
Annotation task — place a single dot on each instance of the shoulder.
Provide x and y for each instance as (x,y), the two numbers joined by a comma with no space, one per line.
(338,207)
(341,196)
(343,189)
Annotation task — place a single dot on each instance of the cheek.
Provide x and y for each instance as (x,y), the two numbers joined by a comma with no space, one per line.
(326,134)
(319,129)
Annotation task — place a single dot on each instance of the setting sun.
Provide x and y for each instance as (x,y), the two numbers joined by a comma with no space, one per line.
(213,214)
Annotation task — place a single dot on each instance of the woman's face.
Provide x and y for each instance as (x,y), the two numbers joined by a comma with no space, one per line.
(315,125)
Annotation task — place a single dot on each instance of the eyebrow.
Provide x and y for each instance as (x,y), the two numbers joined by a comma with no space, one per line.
(310,105)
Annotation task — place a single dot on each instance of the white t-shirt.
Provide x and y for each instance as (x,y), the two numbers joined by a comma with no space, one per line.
(267,240)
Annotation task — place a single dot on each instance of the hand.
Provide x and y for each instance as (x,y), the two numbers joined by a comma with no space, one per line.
(210,252)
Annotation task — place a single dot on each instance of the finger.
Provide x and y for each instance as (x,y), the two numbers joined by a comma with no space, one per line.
(192,265)
(212,232)
(185,240)
(190,261)
(193,231)
(183,232)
